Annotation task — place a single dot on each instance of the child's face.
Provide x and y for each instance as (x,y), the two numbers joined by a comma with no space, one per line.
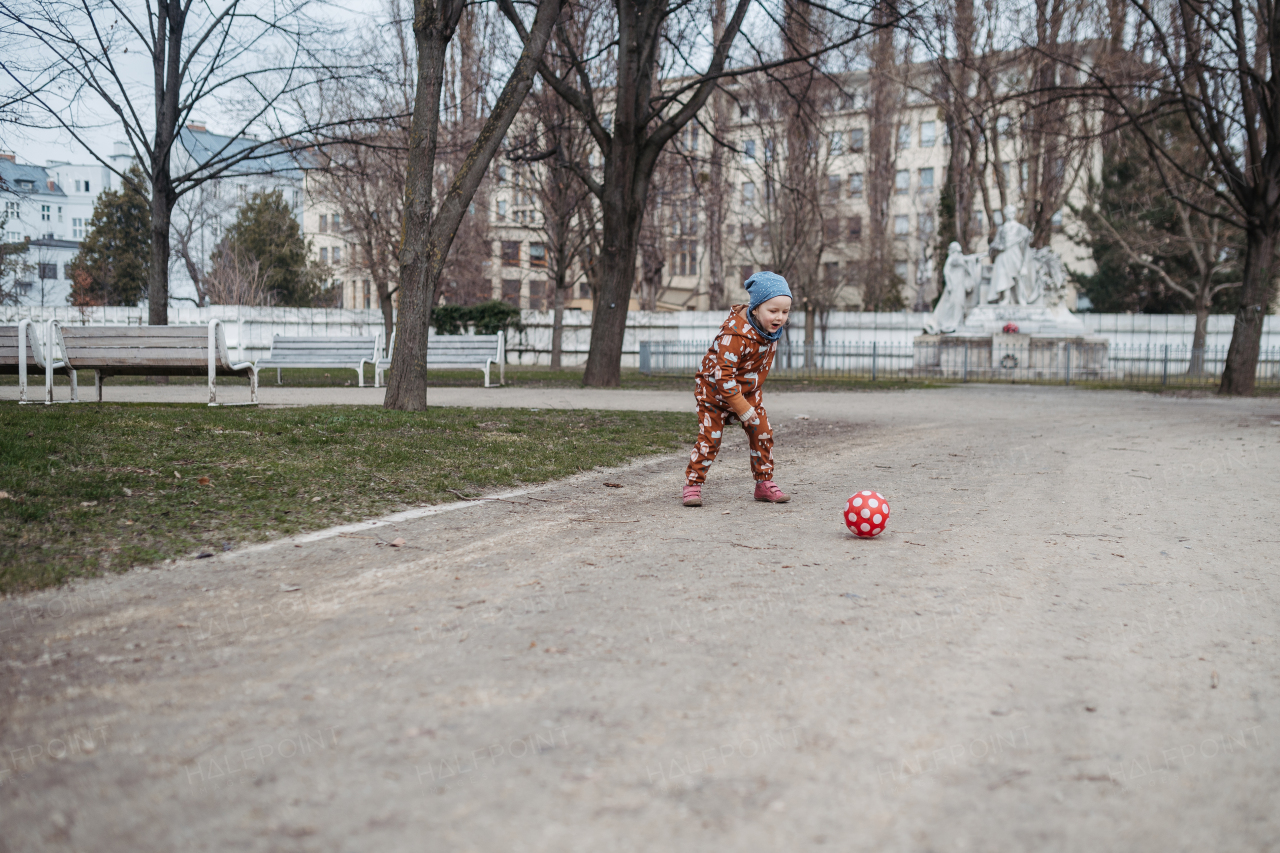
(773,313)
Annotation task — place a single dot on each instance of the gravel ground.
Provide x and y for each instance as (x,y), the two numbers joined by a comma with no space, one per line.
(1066,640)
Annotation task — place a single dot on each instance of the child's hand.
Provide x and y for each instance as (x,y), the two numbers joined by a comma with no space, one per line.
(750,416)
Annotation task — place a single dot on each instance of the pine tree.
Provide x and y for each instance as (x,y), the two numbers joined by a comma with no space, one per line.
(265,231)
(114,263)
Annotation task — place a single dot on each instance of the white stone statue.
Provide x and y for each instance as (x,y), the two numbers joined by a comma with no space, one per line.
(962,275)
(1011,279)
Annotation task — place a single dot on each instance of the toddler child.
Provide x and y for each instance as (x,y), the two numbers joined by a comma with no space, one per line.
(728,386)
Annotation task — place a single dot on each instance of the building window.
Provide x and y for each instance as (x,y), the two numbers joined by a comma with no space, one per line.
(337,254)
(926,180)
(837,147)
(831,229)
(333,222)
(928,134)
(324,223)
(833,186)
(769,148)
(368,294)
(502,210)
(901,271)
(901,226)
(511,290)
(48,271)
(855,140)
(831,273)
(77,228)
(684,261)
(904,137)
(855,185)
(324,256)
(537,255)
(748,193)
(297,198)
(749,149)
(510,254)
(748,233)
(925,224)
(538,295)
(855,228)
(902,182)
(44,213)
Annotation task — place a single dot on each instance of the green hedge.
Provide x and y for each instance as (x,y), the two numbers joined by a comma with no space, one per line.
(487,318)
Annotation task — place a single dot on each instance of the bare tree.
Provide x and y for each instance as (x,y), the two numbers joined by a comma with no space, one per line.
(636,84)
(234,278)
(1189,248)
(197,216)
(429,229)
(250,59)
(1213,63)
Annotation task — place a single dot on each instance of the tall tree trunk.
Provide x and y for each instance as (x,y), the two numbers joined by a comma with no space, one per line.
(621,223)
(407,387)
(1256,293)
(717,191)
(1203,297)
(557,322)
(166,66)
(425,240)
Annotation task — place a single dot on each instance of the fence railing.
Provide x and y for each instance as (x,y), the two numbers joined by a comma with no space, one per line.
(1048,361)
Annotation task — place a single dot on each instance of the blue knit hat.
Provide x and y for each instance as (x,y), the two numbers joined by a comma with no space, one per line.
(763,286)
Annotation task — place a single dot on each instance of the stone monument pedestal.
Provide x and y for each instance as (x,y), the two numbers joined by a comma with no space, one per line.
(1010,356)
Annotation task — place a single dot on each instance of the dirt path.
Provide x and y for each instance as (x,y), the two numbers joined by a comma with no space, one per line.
(1065,641)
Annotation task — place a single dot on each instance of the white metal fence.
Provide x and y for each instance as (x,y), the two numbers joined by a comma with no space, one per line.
(249,330)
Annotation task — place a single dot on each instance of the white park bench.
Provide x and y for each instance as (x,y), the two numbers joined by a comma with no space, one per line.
(20,350)
(153,351)
(321,352)
(456,352)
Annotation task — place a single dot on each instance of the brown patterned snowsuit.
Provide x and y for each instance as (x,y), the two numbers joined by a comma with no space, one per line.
(728,384)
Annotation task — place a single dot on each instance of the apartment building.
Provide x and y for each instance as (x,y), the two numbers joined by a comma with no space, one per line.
(48,208)
(837,165)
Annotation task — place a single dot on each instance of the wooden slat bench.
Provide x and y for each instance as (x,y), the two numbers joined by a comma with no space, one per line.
(457,351)
(20,350)
(154,351)
(322,352)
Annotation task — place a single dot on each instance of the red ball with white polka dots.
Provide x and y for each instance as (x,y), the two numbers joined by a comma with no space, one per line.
(866,514)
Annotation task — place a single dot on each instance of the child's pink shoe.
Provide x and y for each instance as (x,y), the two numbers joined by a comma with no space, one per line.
(767,490)
(693,495)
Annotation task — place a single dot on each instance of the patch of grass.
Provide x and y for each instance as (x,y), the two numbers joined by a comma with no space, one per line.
(106,487)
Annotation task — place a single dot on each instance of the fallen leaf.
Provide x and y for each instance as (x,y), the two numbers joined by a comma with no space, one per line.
(317,498)
(203,555)
(88,503)
(284,587)
(4,496)
(1091,708)
(176,475)
(397,542)
(127,521)
(614,485)
(128,493)
(1213,680)
(204,481)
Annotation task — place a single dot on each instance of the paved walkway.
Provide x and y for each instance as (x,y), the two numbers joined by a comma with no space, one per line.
(1066,641)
